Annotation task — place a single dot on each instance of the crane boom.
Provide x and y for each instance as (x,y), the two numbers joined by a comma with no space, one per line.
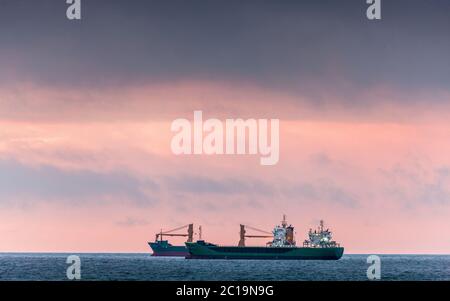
(189,234)
(174,234)
(176,229)
(258,236)
(257,230)
(243,234)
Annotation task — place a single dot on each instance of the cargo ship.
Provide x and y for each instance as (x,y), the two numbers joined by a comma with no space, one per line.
(319,246)
(162,247)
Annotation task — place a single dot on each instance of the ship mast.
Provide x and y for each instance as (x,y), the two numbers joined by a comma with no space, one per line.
(284,222)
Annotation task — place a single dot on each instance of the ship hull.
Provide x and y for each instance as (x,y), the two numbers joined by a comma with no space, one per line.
(167,250)
(209,251)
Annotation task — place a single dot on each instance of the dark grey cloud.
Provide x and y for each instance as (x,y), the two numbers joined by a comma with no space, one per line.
(299,46)
(47,183)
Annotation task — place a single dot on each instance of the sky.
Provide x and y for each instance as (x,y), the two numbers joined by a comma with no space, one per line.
(86,109)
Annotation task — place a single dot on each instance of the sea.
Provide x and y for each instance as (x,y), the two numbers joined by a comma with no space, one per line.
(134,267)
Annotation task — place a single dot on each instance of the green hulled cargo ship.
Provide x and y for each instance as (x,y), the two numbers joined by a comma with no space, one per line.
(203,250)
(319,246)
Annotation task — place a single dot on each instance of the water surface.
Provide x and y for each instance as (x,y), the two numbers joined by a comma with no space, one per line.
(52,266)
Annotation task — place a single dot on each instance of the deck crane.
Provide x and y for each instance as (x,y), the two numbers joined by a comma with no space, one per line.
(243,234)
(189,234)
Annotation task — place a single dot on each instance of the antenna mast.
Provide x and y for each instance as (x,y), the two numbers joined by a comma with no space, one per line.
(284,222)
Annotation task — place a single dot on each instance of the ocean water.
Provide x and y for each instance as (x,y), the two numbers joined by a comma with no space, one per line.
(45,266)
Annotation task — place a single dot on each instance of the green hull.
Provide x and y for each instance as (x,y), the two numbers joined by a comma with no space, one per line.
(203,250)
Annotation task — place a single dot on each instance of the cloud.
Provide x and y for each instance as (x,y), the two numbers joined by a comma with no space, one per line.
(321,159)
(295,46)
(256,192)
(132,222)
(46,183)
(418,184)
(25,103)
(223,186)
(323,191)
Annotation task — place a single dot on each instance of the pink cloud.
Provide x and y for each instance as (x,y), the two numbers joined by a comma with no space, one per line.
(337,162)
